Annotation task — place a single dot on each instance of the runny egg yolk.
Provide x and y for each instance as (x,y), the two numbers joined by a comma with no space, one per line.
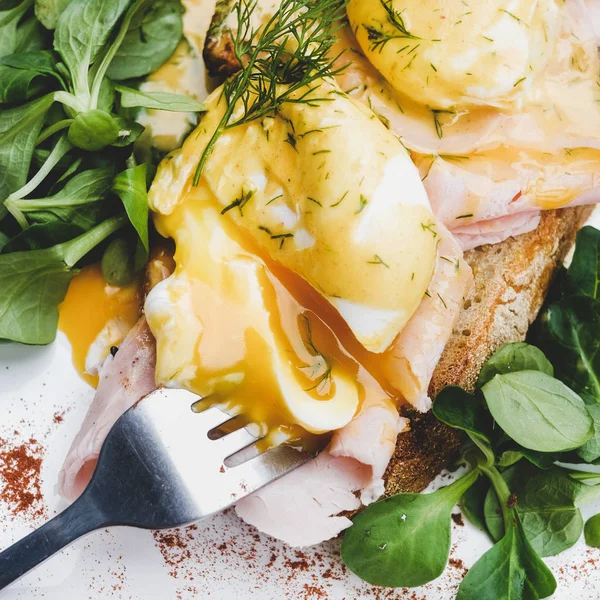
(301,253)
(89,308)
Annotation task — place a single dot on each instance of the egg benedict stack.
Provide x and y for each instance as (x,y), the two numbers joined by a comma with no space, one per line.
(292,213)
(498,102)
(320,209)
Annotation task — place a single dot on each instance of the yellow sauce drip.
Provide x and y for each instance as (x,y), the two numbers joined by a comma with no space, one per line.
(90,304)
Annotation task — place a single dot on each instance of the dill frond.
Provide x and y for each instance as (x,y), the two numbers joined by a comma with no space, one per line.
(379,38)
(290,53)
(239,202)
(322,365)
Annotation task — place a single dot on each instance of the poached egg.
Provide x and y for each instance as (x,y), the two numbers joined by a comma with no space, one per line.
(302,253)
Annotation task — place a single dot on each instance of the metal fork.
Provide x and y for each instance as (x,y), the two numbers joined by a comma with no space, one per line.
(158,469)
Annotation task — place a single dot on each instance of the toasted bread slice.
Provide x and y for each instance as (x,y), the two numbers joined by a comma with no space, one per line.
(218,54)
(511,280)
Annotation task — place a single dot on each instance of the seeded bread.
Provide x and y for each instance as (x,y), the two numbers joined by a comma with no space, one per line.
(510,283)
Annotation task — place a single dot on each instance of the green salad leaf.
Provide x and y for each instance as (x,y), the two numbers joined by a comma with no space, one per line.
(4,239)
(153,36)
(538,412)
(35,283)
(584,272)
(49,11)
(117,264)
(79,202)
(131,98)
(42,235)
(472,503)
(511,570)
(24,124)
(404,540)
(514,357)
(590,451)
(569,328)
(512,453)
(31,36)
(82,32)
(93,130)
(592,531)
(461,410)
(64,137)
(129,131)
(130,186)
(548,506)
(21,119)
(572,341)
(9,26)
(41,61)
(17,85)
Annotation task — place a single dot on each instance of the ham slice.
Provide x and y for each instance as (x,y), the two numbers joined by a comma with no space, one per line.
(410,362)
(586,17)
(485,201)
(413,125)
(490,190)
(124,379)
(304,507)
(496,230)
(468,131)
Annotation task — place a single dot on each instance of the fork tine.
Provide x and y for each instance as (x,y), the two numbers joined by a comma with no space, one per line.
(234,442)
(211,418)
(270,465)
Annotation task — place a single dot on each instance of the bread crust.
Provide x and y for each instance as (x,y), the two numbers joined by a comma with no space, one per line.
(511,280)
(219,56)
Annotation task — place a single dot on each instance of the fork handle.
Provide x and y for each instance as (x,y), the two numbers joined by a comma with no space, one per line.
(82,517)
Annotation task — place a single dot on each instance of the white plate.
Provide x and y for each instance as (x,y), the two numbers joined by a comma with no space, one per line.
(221,558)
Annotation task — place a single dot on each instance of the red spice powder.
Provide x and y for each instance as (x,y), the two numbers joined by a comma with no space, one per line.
(20,483)
(457,518)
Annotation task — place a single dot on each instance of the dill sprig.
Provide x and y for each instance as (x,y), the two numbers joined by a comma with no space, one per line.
(291,52)
(322,365)
(239,202)
(380,38)
(377,260)
(438,125)
(436,120)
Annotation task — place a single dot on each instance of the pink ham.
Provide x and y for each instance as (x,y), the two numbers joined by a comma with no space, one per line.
(124,379)
(496,230)
(417,130)
(488,201)
(586,15)
(410,362)
(469,131)
(304,507)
